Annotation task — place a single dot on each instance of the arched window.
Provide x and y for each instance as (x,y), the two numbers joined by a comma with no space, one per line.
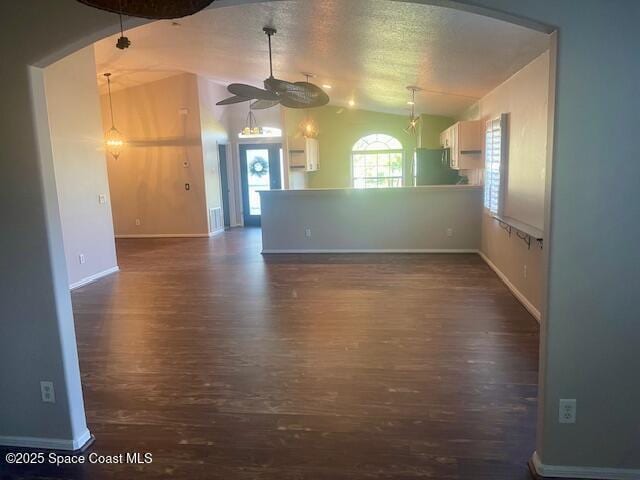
(376,162)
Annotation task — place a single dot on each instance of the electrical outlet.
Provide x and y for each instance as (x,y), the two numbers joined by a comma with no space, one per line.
(524,271)
(307,232)
(138,222)
(449,232)
(47,392)
(567,410)
(102,198)
(81,259)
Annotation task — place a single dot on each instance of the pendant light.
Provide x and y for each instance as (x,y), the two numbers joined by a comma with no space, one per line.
(113,138)
(413,119)
(251,129)
(308,127)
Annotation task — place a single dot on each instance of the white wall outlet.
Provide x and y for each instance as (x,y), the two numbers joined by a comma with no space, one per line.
(47,392)
(567,410)
(102,198)
(449,232)
(524,271)
(82,259)
(138,222)
(307,232)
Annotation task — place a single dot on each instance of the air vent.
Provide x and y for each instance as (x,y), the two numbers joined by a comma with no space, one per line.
(215,219)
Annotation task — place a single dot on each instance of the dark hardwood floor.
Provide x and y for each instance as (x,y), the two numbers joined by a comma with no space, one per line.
(226,364)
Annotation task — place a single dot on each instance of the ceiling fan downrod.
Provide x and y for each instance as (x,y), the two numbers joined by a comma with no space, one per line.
(270,31)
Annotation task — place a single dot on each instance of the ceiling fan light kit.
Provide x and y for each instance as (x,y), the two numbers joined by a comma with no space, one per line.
(276,91)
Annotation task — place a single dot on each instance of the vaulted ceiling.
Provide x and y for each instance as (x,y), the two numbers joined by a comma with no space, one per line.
(367,50)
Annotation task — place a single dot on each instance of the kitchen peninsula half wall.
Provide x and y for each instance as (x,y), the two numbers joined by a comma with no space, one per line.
(442,218)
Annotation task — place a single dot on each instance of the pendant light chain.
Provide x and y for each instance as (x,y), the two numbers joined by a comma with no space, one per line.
(108,75)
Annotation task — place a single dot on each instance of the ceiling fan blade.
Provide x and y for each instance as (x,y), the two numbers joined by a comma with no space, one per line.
(234,99)
(304,95)
(249,91)
(289,102)
(263,104)
(276,85)
(147,9)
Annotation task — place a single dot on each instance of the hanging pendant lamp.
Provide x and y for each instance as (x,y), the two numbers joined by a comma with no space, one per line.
(308,127)
(251,128)
(413,119)
(114,140)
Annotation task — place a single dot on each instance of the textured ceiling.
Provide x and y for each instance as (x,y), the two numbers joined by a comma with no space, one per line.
(368,50)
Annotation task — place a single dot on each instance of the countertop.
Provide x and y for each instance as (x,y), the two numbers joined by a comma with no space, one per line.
(392,189)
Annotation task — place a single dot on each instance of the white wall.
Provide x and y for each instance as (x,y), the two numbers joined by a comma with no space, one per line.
(213,133)
(77,141)
(161,123)
(524,97)
(399,219)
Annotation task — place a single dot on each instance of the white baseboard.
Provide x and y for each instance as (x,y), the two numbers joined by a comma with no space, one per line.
(93,278)
(165,235)
(47,443)
(215,233)
(595,473)
(372,250)
(518,294)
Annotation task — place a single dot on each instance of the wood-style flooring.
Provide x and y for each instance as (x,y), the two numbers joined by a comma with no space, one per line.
(226,364)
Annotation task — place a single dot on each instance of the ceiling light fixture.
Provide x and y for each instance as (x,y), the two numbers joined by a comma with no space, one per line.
(308,126)
(352,103)
(251,128)
(113,138)
(413,119)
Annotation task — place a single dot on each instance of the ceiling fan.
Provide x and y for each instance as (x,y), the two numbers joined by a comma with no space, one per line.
(276,91)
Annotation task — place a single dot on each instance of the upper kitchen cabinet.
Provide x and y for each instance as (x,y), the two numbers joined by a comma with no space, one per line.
(464,139)
(304,153)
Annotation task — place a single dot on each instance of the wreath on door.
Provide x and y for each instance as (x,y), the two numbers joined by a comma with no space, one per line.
(259,167)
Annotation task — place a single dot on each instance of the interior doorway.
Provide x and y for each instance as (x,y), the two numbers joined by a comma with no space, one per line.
(259,170)
(224,185)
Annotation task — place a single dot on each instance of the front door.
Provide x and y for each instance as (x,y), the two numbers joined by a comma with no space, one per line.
(260,170)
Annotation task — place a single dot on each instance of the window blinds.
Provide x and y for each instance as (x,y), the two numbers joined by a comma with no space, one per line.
(495,162)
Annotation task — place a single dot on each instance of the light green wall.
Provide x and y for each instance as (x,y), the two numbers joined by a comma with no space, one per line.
(340,128)
(432,125)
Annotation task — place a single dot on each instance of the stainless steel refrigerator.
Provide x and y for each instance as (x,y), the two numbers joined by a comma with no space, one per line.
(431,167)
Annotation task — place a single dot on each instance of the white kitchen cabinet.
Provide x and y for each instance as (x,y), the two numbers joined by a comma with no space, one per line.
(304,153)
(464,141)
(445,138)
(312,151)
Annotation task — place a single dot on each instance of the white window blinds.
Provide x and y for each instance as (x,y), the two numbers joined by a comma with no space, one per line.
(494,163)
